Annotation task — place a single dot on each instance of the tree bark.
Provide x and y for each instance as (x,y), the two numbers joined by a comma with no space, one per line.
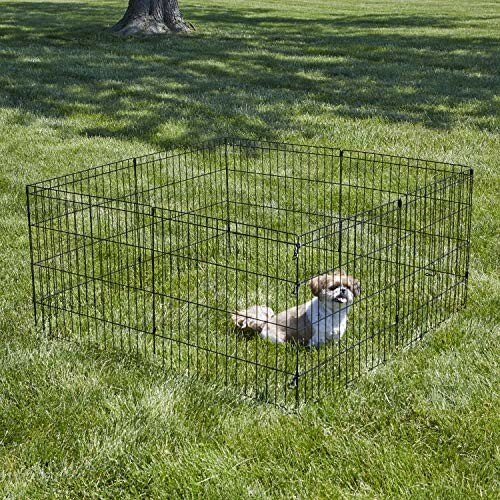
(151,17)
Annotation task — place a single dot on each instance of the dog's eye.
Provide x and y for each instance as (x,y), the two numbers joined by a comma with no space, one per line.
(333,287)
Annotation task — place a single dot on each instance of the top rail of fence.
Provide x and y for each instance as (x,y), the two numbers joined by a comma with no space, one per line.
(181,149)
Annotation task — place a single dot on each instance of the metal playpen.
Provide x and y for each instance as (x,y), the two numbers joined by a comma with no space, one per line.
(152,255)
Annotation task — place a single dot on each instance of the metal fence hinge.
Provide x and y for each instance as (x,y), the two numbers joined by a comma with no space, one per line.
(296,250)
(294,382)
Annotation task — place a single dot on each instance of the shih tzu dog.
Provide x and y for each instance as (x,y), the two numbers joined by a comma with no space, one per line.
(319,320)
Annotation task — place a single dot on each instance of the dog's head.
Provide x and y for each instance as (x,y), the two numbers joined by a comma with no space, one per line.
(337,287)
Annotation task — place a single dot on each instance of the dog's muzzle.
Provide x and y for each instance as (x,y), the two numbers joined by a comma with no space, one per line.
(341,297)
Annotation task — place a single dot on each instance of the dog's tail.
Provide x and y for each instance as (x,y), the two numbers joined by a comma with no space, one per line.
(254,318)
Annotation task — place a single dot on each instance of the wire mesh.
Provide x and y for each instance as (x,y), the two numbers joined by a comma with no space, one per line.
(152,255)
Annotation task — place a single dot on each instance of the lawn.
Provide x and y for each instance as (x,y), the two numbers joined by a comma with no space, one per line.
(412,78)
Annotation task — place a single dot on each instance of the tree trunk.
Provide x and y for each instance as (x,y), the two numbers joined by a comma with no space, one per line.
(151,17)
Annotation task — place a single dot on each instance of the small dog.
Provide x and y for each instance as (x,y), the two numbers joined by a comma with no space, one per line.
(321,319)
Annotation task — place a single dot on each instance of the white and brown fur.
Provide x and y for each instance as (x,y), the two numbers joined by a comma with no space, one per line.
(319,320)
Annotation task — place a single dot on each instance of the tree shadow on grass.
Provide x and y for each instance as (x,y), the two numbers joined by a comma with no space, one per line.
(248,72)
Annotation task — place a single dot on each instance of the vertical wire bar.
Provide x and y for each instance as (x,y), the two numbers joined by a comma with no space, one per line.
(162,290)
(30,237)
(441,226)
(52,280)
(171,298)
(77,260)
(192,252)
(153,291)
(460,261)
(39,207)
(86,274)
(398,272)
(91,227)
(286,188)
(407,269)
(381,283)
(101,273)
(70,264)
(451,254)
(297,351)
(126,280)
(457,241)
(198,288)
(276,360)
(418,274)
(341,162)
(137,219)
(423,257)
(140,290)
(61,271)
(226,250)
(431,251)
(456,262)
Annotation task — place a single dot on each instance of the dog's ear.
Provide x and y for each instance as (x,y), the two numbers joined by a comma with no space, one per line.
(355,286)
(317,283)
(339,272)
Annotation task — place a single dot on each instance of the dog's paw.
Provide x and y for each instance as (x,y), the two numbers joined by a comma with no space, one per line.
(253,318)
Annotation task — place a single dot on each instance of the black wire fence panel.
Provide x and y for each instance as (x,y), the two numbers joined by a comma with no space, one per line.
(153,255)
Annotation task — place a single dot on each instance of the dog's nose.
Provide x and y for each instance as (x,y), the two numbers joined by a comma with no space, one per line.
(342,289)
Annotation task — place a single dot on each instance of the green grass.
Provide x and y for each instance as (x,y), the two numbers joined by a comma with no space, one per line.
(412,78)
